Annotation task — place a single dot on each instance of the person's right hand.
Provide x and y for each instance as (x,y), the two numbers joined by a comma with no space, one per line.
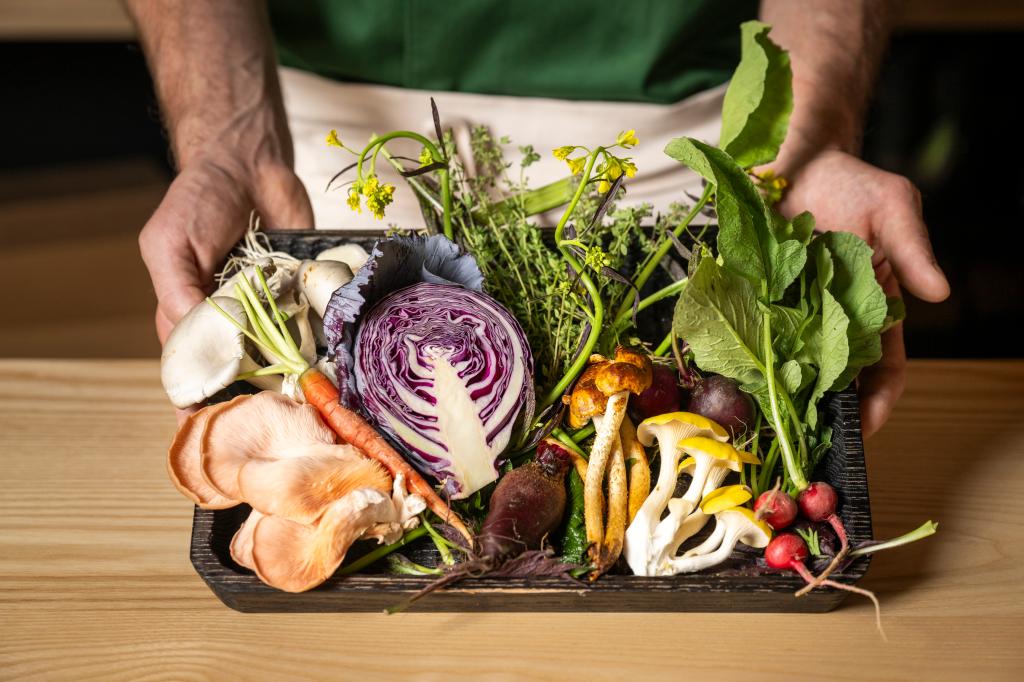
(203,215)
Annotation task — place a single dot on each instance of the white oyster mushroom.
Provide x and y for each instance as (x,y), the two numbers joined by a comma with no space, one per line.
(667,430)
(204,352)
(350,254)
(319,279)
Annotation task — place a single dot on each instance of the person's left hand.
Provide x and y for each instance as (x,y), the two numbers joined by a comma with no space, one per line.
(847,194)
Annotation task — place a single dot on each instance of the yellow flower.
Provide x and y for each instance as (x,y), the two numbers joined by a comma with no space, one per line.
(603,186)
(353,200)
(613,168)
(628,167)
(370,185)
(380,200)
(426,158)
(627,139)
(576,165)
(562,153)
(332,139)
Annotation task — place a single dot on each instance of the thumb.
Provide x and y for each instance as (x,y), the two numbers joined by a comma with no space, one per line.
(282,200)
(904,239)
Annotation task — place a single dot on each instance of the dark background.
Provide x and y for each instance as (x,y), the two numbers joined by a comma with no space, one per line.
(81,132)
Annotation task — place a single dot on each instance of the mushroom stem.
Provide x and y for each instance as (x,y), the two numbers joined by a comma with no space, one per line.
(615,530)
(639,467)
(684,518)
(712,541)
(606,435)
(691,564)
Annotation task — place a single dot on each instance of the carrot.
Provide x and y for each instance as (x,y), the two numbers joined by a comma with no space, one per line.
(353,429)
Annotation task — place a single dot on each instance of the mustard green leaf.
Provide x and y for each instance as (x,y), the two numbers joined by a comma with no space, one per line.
(746,239)
(759,100)
(855,288)
(718,316)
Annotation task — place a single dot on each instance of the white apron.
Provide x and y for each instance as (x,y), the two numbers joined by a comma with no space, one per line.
(315,105)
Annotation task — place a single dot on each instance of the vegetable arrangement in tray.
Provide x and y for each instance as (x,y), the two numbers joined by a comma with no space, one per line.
(498,389)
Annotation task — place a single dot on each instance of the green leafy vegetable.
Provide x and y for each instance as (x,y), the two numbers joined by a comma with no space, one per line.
(718,316)
(746,240)
(856,289)
(755,113)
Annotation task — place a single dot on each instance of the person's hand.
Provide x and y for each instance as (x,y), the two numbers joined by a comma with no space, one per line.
(204,213)
(847,194)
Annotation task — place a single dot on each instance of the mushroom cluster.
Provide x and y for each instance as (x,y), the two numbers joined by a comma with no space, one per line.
(205,353)
(600,395)
(651,542)
(311,497)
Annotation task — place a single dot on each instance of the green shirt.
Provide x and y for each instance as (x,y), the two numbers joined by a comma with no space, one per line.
(638,51)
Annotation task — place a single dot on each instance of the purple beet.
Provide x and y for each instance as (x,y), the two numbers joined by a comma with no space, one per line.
(661,396)
(720,399)
(526,506)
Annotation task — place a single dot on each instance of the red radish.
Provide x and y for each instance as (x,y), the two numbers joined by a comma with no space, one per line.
(776,508)
(788,551)
(661,397)
(818,502)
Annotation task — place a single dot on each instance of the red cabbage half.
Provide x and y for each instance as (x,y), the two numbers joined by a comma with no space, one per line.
(445,372)
(394,263)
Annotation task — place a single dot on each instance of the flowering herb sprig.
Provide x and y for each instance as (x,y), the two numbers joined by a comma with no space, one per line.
(380,195)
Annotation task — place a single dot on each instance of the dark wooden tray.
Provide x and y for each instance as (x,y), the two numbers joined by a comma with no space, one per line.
(742,584)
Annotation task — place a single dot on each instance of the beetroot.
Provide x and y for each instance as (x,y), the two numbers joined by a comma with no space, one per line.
(776,508)
(660,397)
(527,505)
(720,399)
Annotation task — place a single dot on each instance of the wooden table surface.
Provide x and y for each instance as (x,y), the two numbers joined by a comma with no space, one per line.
(95,580)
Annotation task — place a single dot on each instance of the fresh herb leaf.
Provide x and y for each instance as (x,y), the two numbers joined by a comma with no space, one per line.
(755,113)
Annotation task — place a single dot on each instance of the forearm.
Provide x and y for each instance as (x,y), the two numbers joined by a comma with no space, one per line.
(835,47)
(215,74)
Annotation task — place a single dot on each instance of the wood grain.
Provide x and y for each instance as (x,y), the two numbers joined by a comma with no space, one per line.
(95,581)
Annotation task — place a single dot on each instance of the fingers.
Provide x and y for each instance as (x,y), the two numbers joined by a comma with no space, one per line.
(904,239)
(282,200)
(881,385)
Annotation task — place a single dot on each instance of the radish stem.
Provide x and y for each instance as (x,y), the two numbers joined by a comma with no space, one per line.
(928,528)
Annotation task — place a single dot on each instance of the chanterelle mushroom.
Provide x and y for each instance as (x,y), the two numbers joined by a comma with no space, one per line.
(203,353)
(667,430)
(601,394)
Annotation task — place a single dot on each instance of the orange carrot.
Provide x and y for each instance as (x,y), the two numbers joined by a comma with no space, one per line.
(353,429)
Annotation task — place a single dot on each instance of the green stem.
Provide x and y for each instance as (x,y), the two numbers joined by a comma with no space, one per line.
(381,552)
(569,441)
(651,262)
(793,470)
(416,185)
(443,175)
(597,317)
(664,346)
(928,528)
(439,541)
(625,318)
